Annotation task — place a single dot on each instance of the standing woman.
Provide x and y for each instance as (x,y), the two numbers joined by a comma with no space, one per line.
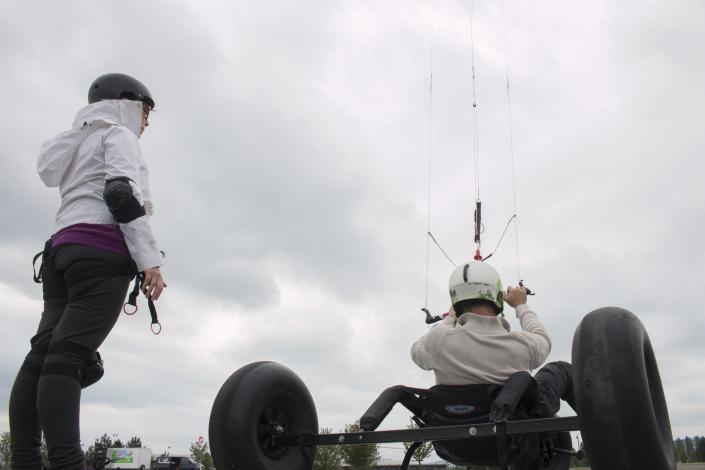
(102,238)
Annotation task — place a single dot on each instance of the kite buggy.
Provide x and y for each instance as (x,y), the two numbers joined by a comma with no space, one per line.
(264,417)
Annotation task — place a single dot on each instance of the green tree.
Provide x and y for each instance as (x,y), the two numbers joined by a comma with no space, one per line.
(5,449)
(359,457)
(96,453)
(201,454)
(45,452)
(689,449)
(423,451)
(327,457)
(134,442)
(700,448)
(118,444)
(680,450)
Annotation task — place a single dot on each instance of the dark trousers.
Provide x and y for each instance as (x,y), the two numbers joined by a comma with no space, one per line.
(554,383)
(84,290)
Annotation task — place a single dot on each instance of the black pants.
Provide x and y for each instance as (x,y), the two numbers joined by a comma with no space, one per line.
(84,290)
(554,383)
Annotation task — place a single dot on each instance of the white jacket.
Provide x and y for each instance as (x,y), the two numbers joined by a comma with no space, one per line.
(103,143)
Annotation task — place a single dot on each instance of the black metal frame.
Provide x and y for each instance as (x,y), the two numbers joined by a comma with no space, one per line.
(437,433)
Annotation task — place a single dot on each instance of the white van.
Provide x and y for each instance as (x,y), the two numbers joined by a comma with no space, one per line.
(130,458)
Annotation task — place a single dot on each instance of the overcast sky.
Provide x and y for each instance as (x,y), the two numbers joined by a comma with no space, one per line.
(289,159)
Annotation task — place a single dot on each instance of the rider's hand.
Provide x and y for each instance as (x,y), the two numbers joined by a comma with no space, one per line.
(515,296)
(153,283)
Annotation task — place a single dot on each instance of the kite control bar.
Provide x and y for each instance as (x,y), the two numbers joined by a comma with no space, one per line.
(433,319)
(528,291)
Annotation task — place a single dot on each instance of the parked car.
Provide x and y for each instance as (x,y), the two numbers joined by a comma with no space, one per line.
(176,462)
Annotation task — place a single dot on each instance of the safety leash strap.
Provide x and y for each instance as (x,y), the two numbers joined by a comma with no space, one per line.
(44,254)
(156,327)
(37,276)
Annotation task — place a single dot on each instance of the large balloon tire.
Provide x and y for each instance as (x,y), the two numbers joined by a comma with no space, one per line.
(618,394)
(255,398)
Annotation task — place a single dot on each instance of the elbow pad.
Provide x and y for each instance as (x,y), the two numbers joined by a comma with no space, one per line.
(121,200)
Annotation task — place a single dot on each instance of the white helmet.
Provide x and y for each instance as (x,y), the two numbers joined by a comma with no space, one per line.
(476,280)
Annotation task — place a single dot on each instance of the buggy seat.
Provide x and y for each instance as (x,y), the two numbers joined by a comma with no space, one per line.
(448,405)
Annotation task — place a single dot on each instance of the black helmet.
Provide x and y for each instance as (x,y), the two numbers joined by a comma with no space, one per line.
(114,86)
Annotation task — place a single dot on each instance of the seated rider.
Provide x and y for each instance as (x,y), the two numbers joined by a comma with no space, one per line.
(473,344)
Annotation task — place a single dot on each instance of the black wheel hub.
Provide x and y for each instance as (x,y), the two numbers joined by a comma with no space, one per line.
(549,444)
(272,422)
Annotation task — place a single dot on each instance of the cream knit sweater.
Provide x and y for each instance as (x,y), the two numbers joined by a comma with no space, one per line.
(478,350)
